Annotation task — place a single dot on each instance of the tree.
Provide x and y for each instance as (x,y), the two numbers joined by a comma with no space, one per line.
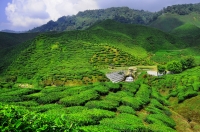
(188,62)
(161,68)
(174,66)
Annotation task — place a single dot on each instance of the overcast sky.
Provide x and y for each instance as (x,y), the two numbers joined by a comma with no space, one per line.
(20,15)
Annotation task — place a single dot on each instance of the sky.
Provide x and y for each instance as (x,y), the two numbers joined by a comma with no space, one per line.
(22,15)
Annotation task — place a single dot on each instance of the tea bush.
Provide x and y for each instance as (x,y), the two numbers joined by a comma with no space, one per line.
(126,109)
(89,117)
(154,118)
(96,128)
(16,119)
(103,104)
(124,122)
(80,99)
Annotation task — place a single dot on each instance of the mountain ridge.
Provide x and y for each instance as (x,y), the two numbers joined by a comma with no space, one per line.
(83,20)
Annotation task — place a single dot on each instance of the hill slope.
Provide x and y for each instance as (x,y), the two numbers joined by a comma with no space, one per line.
(188,32)
(75,57)
(168,21)
(10,46)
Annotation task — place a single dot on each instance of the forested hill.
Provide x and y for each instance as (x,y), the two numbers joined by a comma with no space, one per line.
(85,19)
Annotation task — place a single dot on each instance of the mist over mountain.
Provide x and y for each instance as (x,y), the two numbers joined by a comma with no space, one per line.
(12,31)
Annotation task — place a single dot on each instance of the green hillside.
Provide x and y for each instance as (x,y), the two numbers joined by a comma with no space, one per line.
(75,57)
(10,46)
(57,81)
(190,33)
(168,22)
(168,103)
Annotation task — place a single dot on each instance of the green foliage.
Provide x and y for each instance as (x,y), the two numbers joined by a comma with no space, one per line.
(102,90)
(185,92)
(154,118)
(79,99)
(131,87)
(174,66)
(161,68)
(103,104)
(89,117)
(126,109)
(196,86)
(97,128)
(85,19)
(188,62)
(124,122)
(18,119)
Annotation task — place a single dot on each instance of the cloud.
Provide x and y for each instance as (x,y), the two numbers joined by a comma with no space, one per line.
(26,14)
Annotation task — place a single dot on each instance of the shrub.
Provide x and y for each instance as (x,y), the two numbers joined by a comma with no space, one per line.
(74,90)
(27,103)
(19,119)
(19,92)
(161,68)
(126,109)
(96,128)
(89,117)
(103,104)
(102,90)
(49,98)
(10,98)
(113,86)
(196,86)
(184,96)
(52,89)
(131,87)
(75,109)
(156,95)
(188,62)
(143,94)
(158,126)
(174,66)
(79,99)
(46,107)
(132,102)
(124,122)
(154,118)
(118,95)
(155,107)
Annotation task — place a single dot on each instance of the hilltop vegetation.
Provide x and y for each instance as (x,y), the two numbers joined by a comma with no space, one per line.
(87,18)
(83,20)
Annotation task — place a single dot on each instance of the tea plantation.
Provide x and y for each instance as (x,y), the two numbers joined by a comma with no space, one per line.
(57,82)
